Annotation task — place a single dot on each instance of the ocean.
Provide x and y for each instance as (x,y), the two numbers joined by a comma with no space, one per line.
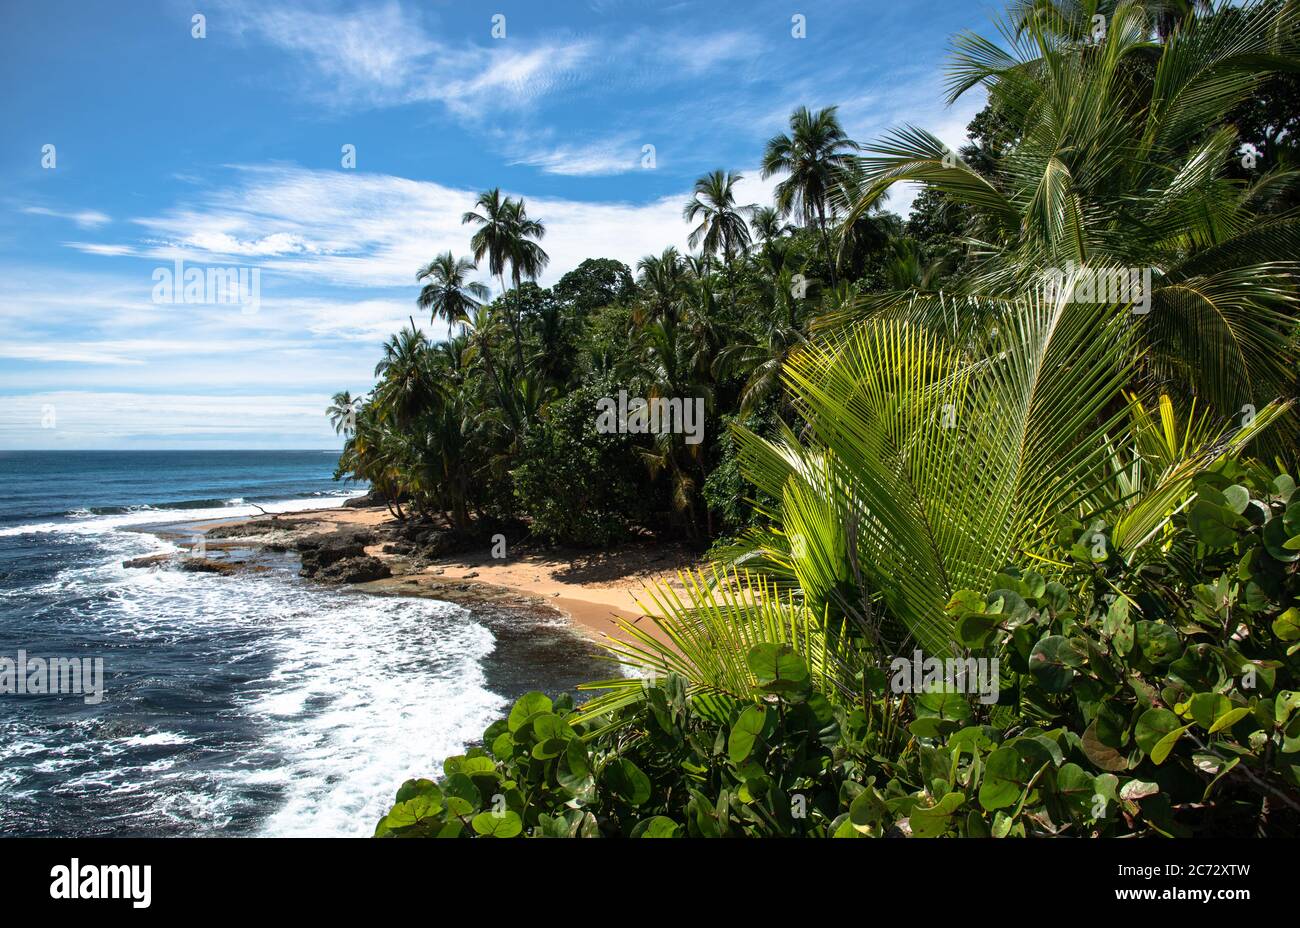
(232,705)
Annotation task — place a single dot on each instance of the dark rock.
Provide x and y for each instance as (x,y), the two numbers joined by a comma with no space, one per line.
(151,560)
(321,551)
(356,570)
(207,565)
(245,529)
(373,498)
(435,543)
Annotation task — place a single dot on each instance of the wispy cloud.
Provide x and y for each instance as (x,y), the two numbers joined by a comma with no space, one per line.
(86,218)
(382,55)
(603,157)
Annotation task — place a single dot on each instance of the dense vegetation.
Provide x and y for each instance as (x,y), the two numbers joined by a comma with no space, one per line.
(948,434)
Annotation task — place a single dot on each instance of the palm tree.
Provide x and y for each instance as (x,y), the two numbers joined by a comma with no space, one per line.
(507,236)
(670,366)
(926,469)
(661,278)
(526,257)
(814,154)
(448,293)
(1124,167)
(722,228)
(407,382)
(342,413)
(491,241)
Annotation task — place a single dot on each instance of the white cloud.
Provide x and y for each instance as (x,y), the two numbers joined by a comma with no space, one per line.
(373,230)
(114,419)
(381,55)
(86,218)
(611,156)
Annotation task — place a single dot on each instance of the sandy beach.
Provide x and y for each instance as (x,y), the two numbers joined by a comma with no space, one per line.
(593,589)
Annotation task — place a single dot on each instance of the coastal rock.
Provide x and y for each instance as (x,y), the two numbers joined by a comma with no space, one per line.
(356,570)
(247,529)
(151,560)
(319,552)
(373,498)
(207,565)
(435,543)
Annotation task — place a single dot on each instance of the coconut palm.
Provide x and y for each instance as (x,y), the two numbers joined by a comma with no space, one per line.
(448,293)
(927,468)
(506,236)
(1122,163)
(661,279)
(721,225)
(407,381)
(342,412)
(813,154)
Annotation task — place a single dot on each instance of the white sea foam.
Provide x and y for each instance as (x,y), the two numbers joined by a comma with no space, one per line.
(84,523)
(343,697)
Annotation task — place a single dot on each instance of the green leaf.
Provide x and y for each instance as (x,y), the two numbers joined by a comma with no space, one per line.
(1287,626)
(526,707)
(1006,774)
(1206,707)
(776,666)
(1166,744)
(1052,662)
(1230,718)
(497,824)
(1277,541)
(658,827)
(745,732)
(626,781)
(1153,726)
(574,770)
(1076,788)
(547,725)
(1216,526)
(1237,497)
(932,822)
(1158,642)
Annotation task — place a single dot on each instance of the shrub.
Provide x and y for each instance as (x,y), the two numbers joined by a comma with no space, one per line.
(1135,699)
(580,486)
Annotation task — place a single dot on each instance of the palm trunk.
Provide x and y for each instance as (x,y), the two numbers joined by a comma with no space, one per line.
(826,242)
(514,326)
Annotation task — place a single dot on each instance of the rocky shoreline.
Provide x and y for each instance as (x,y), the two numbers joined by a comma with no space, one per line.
(363,548)
(386,558)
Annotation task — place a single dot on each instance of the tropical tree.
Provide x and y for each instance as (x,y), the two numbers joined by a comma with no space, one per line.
(342,412)
(814,155)
(1121,162)
(448,293)
(721,227)
(506,236)
(926,470)
(407,381)
(662,280)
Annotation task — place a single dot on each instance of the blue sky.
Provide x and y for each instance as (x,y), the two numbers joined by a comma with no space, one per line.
(227,151)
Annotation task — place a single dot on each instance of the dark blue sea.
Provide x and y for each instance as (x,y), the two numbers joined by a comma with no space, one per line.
(232,705)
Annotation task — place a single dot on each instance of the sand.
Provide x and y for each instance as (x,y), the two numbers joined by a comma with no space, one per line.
(593,589)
